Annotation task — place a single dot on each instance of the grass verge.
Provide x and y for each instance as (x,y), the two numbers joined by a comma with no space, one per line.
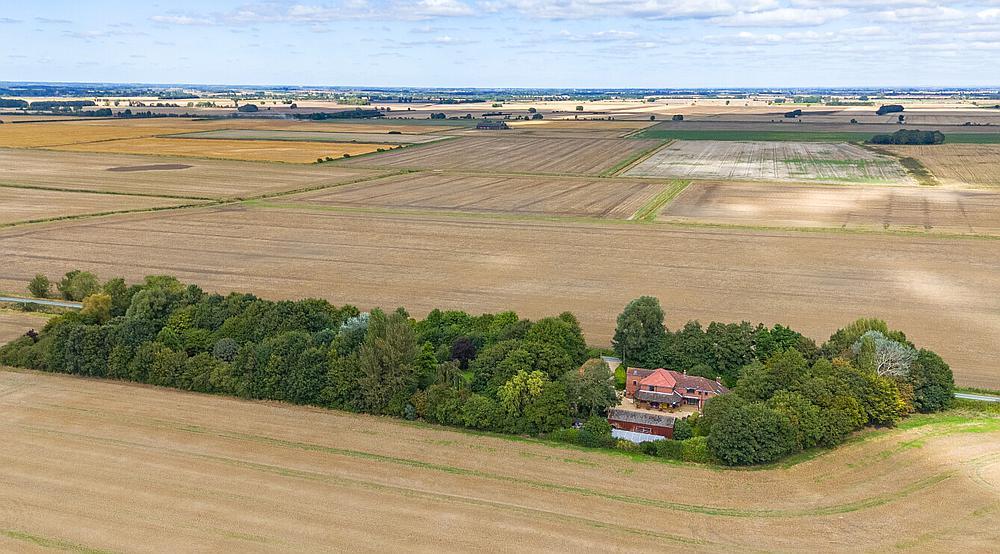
(651,209)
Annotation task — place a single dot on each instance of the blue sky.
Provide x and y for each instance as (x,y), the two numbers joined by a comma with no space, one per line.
(507,43)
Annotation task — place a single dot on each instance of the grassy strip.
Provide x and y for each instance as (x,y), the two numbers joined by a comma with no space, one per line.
(914,168)
(978,390)
(649,211)
(797,136)
(632,160)
(54,544)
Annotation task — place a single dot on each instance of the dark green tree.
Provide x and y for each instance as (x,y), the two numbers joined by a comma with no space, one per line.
(640,333)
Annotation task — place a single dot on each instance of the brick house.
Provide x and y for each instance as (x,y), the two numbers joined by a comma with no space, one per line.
(644,423)
(664,389)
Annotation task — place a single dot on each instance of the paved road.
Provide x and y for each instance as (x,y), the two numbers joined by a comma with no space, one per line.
(982,397)
(43,301)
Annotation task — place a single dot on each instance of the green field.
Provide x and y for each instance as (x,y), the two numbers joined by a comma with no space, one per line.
(798,136)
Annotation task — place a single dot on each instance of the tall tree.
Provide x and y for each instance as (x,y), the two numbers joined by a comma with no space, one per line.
(640,332)
(386,359)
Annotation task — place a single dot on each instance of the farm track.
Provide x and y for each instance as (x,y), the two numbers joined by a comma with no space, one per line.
(168,458)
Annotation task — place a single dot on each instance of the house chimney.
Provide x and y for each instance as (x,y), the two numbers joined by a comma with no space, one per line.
(718,379)
(685,372)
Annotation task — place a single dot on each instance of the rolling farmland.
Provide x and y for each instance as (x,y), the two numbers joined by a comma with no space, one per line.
(579,156)
(770,161)
(614,198)
(163,176)
(847,207)
(922,284)
(232,475)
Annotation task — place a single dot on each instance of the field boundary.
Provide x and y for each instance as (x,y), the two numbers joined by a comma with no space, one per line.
(13,185)
(828,230)
(914,167)
(648,212)
(628,163)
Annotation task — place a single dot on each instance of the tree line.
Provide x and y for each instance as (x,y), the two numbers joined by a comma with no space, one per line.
(492,372)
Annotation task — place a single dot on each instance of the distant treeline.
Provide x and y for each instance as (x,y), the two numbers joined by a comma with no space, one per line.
(357,113)
(60,104)
(12,103)
(496,372)
(905,136)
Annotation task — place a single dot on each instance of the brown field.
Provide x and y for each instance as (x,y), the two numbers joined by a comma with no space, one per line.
(582,156)
(34,135)
(14,324)
(309,136)
(977,165)
(772,161)
(21,204)
(614,198)
(942,292)
(246,150)
(204,179)
(849,207)
(103,466)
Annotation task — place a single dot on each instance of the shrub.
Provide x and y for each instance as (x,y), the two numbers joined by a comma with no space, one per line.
(751,434)
(40,287)
(682,430)
(626,445)
(696,450)
(568,435)
(596,432)
(669,449)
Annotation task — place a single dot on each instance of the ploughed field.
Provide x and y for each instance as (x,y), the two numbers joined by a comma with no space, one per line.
(941,291)
(189,178)
(186,471)
(833,206)
(770,161)
(613,198)
(508,154)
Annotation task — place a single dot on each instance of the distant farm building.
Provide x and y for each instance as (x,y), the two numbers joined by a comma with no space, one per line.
(663,389)
(652,424)
(491,125)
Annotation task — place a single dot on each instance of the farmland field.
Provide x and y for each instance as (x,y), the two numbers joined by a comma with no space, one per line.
(615,198)
(228,475)
(581,156)
(248,150)
(311,136)
(934,288)
(960,165)
(850,207)
(763,131)
(19,204)
(14,324)
(150,175)
(34,135)
(786,161)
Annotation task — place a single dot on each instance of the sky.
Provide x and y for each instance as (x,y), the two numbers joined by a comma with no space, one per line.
(507,43)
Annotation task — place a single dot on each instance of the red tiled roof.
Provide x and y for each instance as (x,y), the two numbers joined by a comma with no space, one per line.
(659,378)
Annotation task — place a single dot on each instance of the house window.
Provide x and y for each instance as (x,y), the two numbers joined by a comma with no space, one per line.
(693,401)
(635,383)
(690,389)
(651,387)
(643,429)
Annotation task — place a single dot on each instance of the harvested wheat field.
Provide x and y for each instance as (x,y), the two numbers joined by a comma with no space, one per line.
(614,198)
(835,206)
(247,150)
(311,136)
(14,324)
(775,161)
(976,165)
(933,288)
(219,474)
(184,177)
(51,134)
(581,156)
(21,204)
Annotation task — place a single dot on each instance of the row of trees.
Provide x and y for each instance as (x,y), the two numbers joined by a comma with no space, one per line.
(494,372)
(907,136)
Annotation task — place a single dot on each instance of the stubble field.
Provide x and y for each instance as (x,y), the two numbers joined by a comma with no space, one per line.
(190,178)
(613,198)
(770,161)
(976,165)
(20,205)
(578,156)
(937,290)
(311,136)
(227,475)
(14,324)
(833,206)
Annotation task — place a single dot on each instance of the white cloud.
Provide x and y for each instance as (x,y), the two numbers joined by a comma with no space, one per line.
(180,20)
(441,8)
(782,17)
